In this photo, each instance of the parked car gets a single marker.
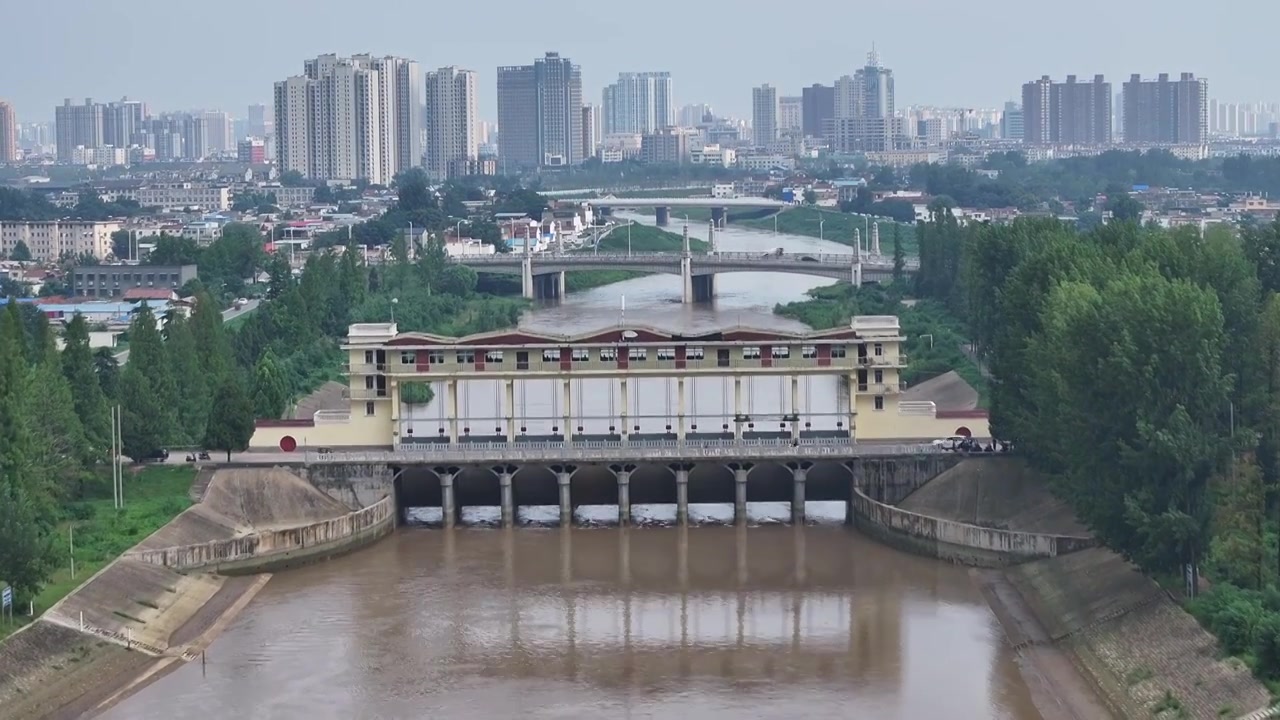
(158, 456)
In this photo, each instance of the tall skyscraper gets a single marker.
(695, 115)
(819, 109)
(1069, 113)
(349, 118)
(865, 115)
(77, 125)
(122, 121)
(1164, 111)
(540, 114)
(195, 137)
(8, 133)
(764, 114)
(219, 127)
(452, 117)
(638, 103)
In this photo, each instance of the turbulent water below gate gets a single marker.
(655, 622)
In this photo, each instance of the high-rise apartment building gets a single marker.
(257, 121)
(668, 146)
(8, 133)
(195, 137)
(1164, 111)
(540, 114)
(1068, 113)
(452, 122)
(591, 134)
(76, 126)
(219, 126)
(819, 109)
(350, 118)
(791, 114)
(638, 103)
(695, 115)
(122, 122)
(764, 114)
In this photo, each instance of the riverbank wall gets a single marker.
(1087, 626)
(162, 603)
(878, 508)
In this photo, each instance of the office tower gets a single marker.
(1011, 122)
(819, 109)
(1069, 113)
(590, 130)
(865, 116)
(218, 124)
(76, 126)
(638, 103)
(791, 114)
(764, 114)
(452, 130)
(252, 151)
(695, 115)
(540, 114)
(668, 146)
(257, 121)
(349, 118)
(8, 133)
(1164, 111)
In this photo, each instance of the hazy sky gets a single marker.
(226, 54)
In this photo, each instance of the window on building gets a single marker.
(837, 351)
(750, 353)
(636, 353)
(493, 356)
(879, 402)
(466, 357)
(408, 357)
(780, 352)
(435, 357)
(809, 353)
(552, 355)
(694, 353)
(368, 382)
(581, 355)
(666, 353)
(370, 409)
(878, 350)
(879, 376)
(608, 354)
(368, 357)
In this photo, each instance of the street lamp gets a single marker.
(394, 302)
(821, 222)
(629, 224)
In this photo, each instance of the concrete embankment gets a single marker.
(964, 515)
(1086, 625)
(161, 604)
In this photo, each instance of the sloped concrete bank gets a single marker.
(163, 603)
(1093, 636)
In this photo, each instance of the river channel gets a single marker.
(658, 622)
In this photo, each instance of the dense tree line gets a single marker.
(1140, 369)
(26, 205)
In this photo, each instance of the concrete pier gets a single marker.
(740, 471)
(718, 215)
(624, 497)
(508, 501)
(799, 475)
(664, 215)
(682, 495)
(448, 507)
(566, 500)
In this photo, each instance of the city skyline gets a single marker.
(973, 74)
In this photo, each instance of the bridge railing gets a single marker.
(608, 451)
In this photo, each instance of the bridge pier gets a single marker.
(682, 492)
(799, 474)
(548, 286)
(623, 474)
(703, 288)
(505, 473)
(526, 275)
(686, 279)
(719, 216)
(664, 215)
(740, 471)
(564, 475)
(448, 508)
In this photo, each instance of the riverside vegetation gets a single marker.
(191, 382)
(1139, 368)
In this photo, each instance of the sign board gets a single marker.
(6, 597)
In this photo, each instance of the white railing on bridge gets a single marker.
(649, 257)
(618, 451)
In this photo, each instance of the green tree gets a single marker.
(270, 389)
(173, 250)
(899, 256)
(183, 359)
(457, 280)
(280, 275)
(86, 390)
(148, 395)
(1124, 208)
(230, 419)
(810, 197)
(107, 370)
(20, 252)
(1237, 550)
(58, 449)
(211, 339)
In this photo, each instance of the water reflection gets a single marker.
(703, 622)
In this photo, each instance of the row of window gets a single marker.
(89, 278)
(552, 355)
(371, 409)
